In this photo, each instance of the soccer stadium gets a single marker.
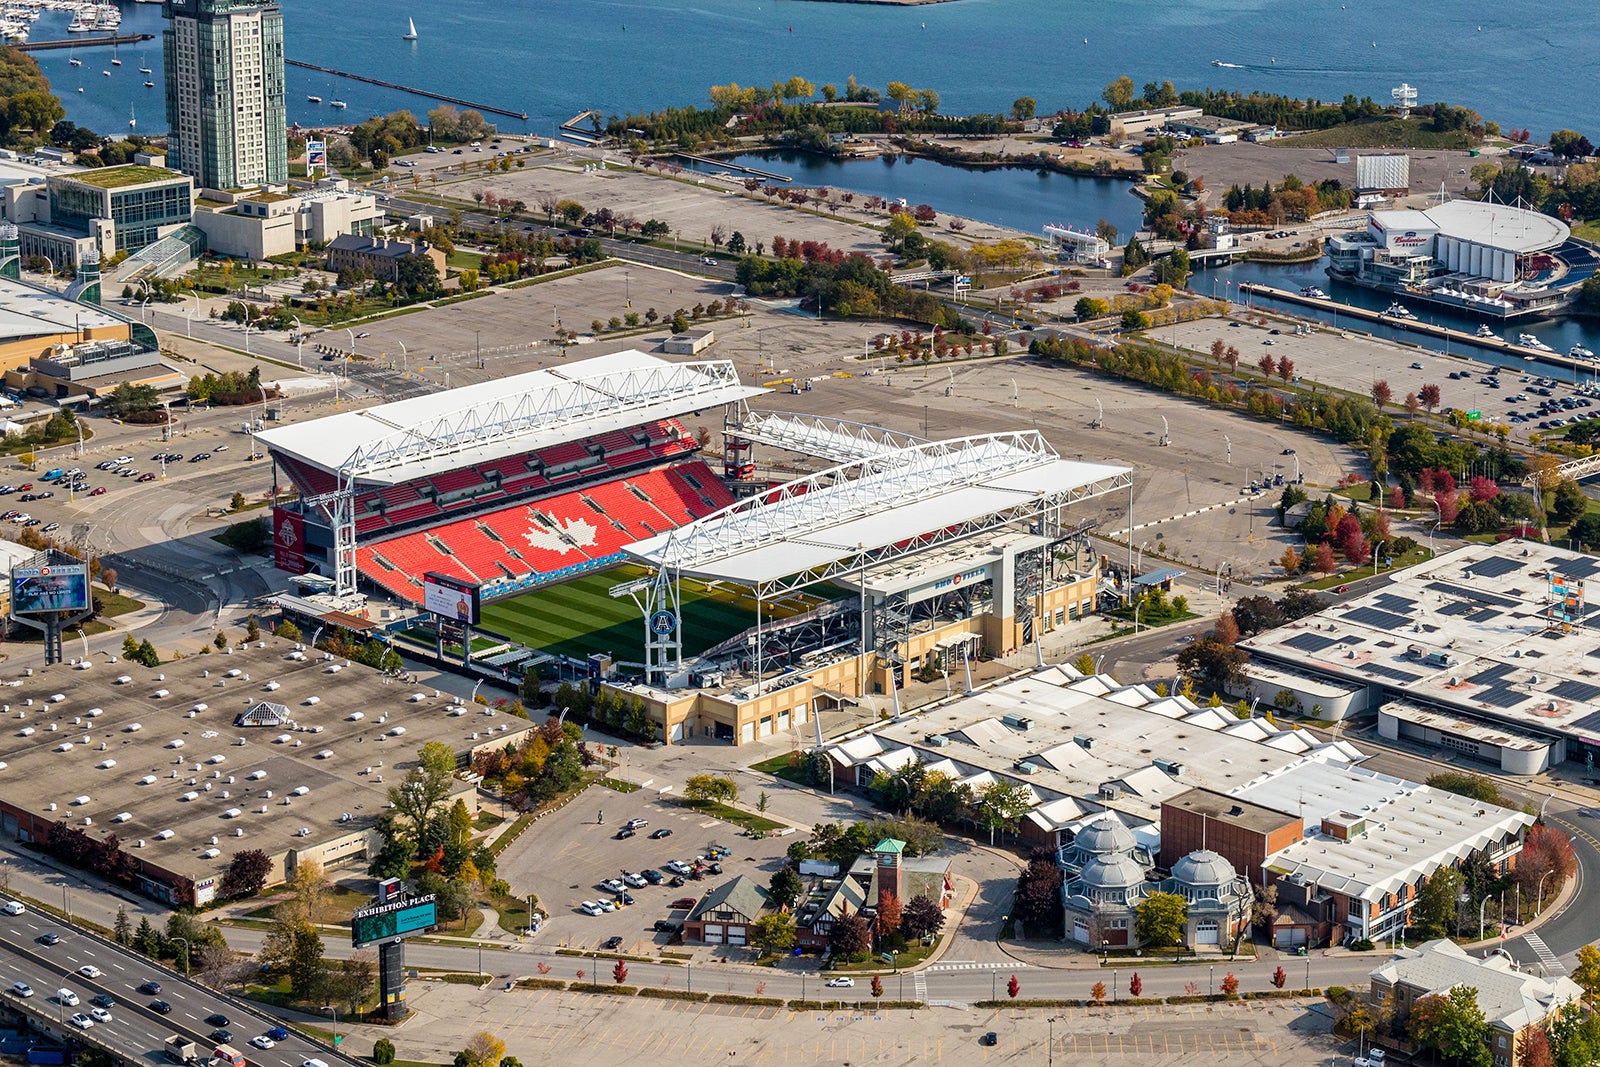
(576, 507)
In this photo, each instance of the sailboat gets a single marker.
(411, 30)
(144, 70)
(73, 60)
(132, 121)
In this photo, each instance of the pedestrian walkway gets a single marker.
(1542, 950)
(1007, 965)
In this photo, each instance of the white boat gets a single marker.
(146, 70)
(315, 99)
(340, 104)
(107, 73)
(1579, 352)
(1313, 292)
(132, 120)
(149, 85)
(1398, 311)
(411, 31)
(1484, 331)
(1528, 340)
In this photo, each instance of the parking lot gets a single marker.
(567, 855)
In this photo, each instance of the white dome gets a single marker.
(1104, 836)
(1204, 868)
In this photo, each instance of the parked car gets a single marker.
(651, 875)
(623, 834)
(657, 835)
(146, 478)
(612, 885)
(991, 1039)
(841, 982)
(98, 490)
(666, 926)
(589, 907)
(637, 881)
(636, 824)
(685, 902)
(612, 942)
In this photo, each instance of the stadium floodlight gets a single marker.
(622, 589)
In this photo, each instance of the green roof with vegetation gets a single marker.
(121, 177)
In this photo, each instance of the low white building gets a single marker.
(261, 224)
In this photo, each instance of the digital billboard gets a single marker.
(395, 919)
(450, 597)
(41, 590)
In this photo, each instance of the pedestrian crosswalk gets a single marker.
(919, 985)
(1551, 963)
(1008, 965)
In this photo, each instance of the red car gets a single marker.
(685, 902)
(24, 487)
(98, 490)
(146, 478)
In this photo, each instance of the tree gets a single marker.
(350, 983)
(1013, 987)
(1134, 319)
(1023, 108)
(246, 874)
(785, 887)
(1230, 985)
(1098, 992)
(1546, 862)
(877, 985)
(1160, 918)
(417, 276)
(1567, 502)
(1435, 909)
(711, 787)
(1279, 978)
(921, 917)
(1575, 1038)
(1587, 972)
(294, 947)
(1586, 530)
(1212, 664)
(850, 936)
(1453, 1025)
(619, 973)
(1119, 94)
(1381, 393)
(1257, 614)
(1135, 985)
(1429, 395)
(1037, 901)
(890, 914)
(122, 929)
(383, 1052)
(1000, 804)
(1534, 1049)
(484, 1050)
(424, 787)
(773, 933)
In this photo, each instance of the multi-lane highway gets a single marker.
(134, 1029)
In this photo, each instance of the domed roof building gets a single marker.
(1219, 900)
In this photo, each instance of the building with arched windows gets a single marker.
(1219, 899)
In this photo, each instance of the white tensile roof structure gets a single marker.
(879, 506)
(422, 436)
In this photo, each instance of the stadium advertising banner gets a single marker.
(41, 590)
(288, 541)
(385, 922)
(450, 597)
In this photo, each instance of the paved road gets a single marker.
(133, 1026)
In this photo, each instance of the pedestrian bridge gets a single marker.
(1576, 469)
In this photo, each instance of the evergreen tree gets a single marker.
(122, 929)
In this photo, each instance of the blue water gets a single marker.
(555, 58)
(1020, 197)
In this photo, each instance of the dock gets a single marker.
(725, 165)
(82, 42)
(490, 108)
(1498, 345)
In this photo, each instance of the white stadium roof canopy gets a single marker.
(1513, 229)
(878, 507)
(427, 435)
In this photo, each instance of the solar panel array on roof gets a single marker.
(1459, 607)
(1382, 620)
(1588, 722)
(1492, 674)
(1389, 672)
(1495, 566)
(1391, 602)
(1576, 691)
(1309, 642)
(1578, 566)
(1473, 594)
(1500, 697)
(1484, 615)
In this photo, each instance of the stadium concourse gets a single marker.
(506, 485)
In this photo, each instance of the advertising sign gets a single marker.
(288, 541)
(40, 590)
(450, 597)
(316, 156)
(395, 919)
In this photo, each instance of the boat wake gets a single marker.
(1230, 66)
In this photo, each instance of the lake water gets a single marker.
(555, 58)
(1020, 197)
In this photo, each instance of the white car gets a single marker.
(67, 997)
(635, 881)
(22, 989)
(81, 1021)
(263, 1041)
(840, 983)
(89, 970)
(124, 459)
(589, 907)
(14, 907)
(100, 1015)
(607, 905)
(612, 885)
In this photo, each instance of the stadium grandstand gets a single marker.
(508, 485)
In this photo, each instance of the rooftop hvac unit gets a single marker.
(272, 687)
(1017, 722)
(56, 698)
(164, 835)
(106, 764)
(1085, 740)
(232, 813)
(417, 698)
(133, 727)
(1170, 766)
(190, 795)
(456, 713)
(176, 742)
(326, 753)
(95, 713)
(238, 831)
(332, 668)
(299, 791)
(124, 679)
(355, 716)
(304, 831)
(65, 746)
(201, 707)
(1025, 767)
(148, 779)
(397, 731)
(938, 740)
(122, 816)
(1110, 792)
(256, 776)
(218, 758)
(210, 854)
(159, 693)
(80, 801)
(312, 700)
(281, 739)
(26, 731)
(235, 673)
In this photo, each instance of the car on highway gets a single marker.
(657, 835)
(89, 970)
(22, 989)
(221, 1036)
(67, 997)
(612, 942)
(81, 1021)
(103, 1000)
(278, 1033)
(49, 938)
(14, 907)
(262, 1041)
(160, 1007)
(841, 982)
(312, 1063)
(100, 1015)
(150, 989)
(217, 1019)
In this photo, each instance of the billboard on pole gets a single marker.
(41, 590)
(450, 597)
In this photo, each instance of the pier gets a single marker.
(523, 115)
(753, 172)
(1497, 344)
(83, 42)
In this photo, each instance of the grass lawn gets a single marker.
(783, 767)
(910, 956)
(1415, 556)
(463, 260)
(1587, 231)
(718, 810)
(577, 618)
(1361, 492)
(1409, 133)
(513, 912)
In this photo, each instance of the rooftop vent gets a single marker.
(210, 854)
(133, 728)
(122, 816)
(164, 835)
(299, 791)
(106, 764)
